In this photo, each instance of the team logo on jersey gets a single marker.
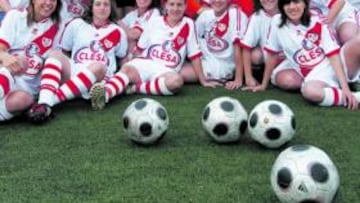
(46, 42)
(34, 65)
(108, 44)
(168, 45)
(311, 40)
(32, 50)
(180, 40)
(221, 27)
(93, 53)
(216, 44)
(95, 46)
(309, 58)
(74, 8)
(165, 53)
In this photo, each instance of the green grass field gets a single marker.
(84, 156)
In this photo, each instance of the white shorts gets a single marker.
(148, 69)
(218, 70)
(4, 113)
(327, 74)
(346, 14)
(18, 83)
(21, 83)
(284, 65)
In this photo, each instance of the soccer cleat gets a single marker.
(355, 86)
(97, 94)
(130, 89)
(39, 113)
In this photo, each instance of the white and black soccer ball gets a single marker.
(224, 119)
(145, 121)
(271, 123)
(304, 173)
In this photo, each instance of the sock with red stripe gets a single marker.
(75, 86)
(332, 97)
(115, 85)
(153, 87)
(6, 82)
(50, 81)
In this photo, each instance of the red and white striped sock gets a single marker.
(50, 81)
(116, 85)
(153, 87)
(332, 97)
(6, 81)
(75, 86)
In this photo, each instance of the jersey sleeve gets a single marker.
(329, 3)
(200, 24)
(127, 19)
(329, 42)
(241, 24)
(144, 40)
(273, 44)
(192, 45)
(8, 28)
(69, 34)
(252, 33)
(148, 16)
(122, 47)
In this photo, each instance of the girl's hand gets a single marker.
(251, 82)
(212, 83)
(231, 85)
(257, 88)
(350, 100)
(15, 64)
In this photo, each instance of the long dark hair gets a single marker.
(155, 4)
(257, 6)
(55, 16)
(88, 15)
(305, 18)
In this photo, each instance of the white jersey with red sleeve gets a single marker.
(256, 32)
(134, 20)
(73, 9)
(33, 42)
(304, 47)
(89, 44)
(322, 7)
(19, 4)
(217, 35)
(70, 9)
(169, 45)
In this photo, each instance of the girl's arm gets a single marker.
(334, 11)
(17, 65)
(349, 98)
(239, 70)
(196, 63)
(5, 5)
(249, 78)
(269, 67)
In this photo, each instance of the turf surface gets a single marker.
(83, 156)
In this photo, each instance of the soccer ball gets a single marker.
(224, 119)
(271, 123)
(304, 173)
(145, 121)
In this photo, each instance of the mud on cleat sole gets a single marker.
(97, 94)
